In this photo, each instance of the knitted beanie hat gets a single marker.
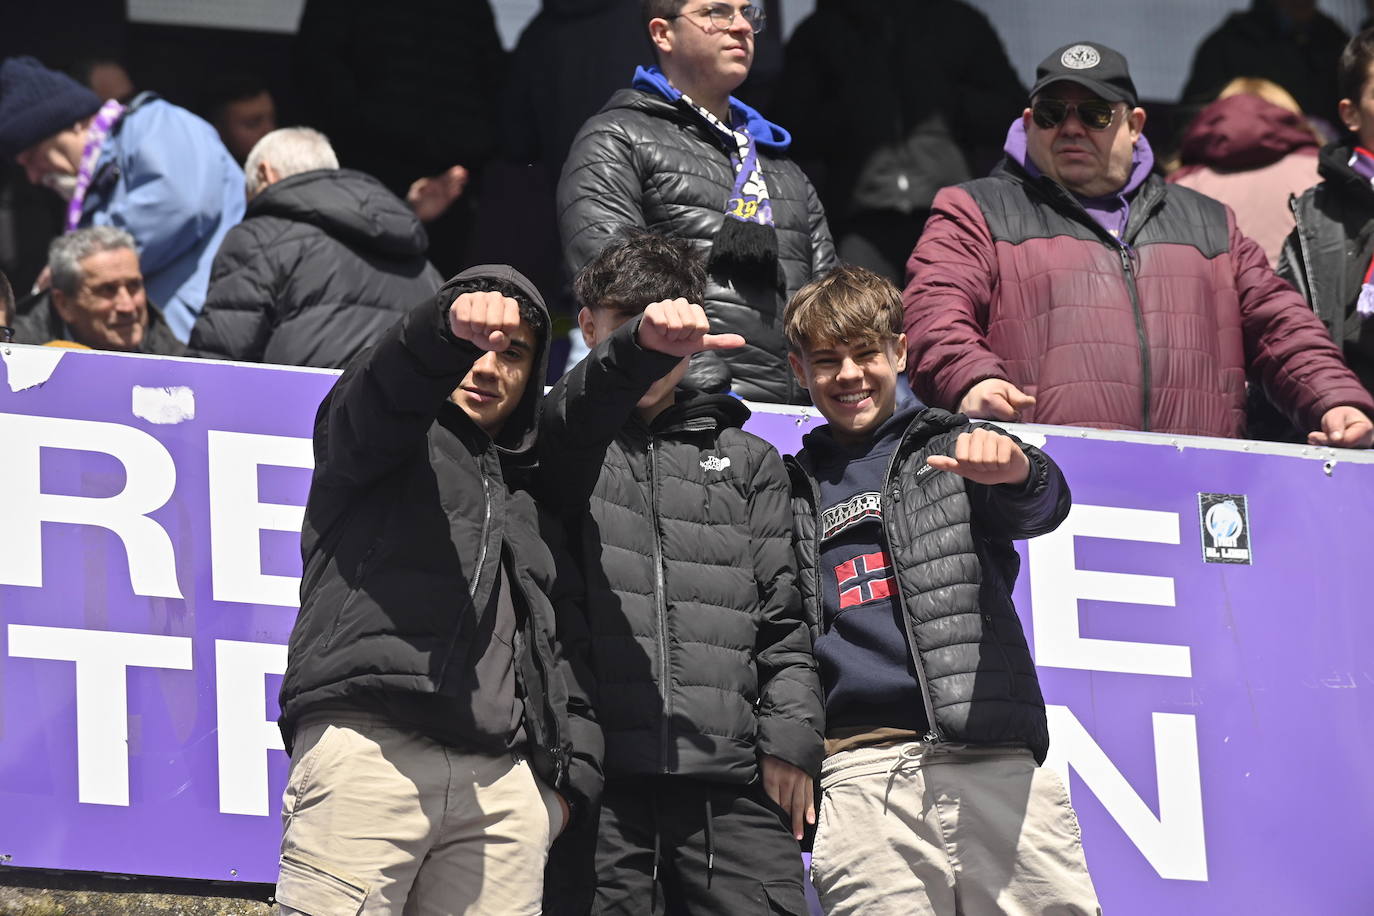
(36, 103)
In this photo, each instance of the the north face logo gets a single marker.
(714, 463)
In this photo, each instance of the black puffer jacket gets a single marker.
(645, 162)
(950, 543)
(701, 655)
(1328, 252)
(411, 510)
(322, 264)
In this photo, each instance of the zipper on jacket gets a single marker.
(664, 685)
(932, 735)
(486, 536)
(1144, 342)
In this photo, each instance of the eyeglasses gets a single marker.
(722, 16)
(1093, 114)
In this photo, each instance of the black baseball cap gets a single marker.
(1093, 66)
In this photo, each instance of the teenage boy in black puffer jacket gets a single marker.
(933, 801)
(436, 697)
(708, 693)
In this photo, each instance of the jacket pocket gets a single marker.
(308, 885)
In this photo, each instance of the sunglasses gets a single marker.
(1094, 114)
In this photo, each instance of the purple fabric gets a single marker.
(1362, 164)
(1111, 211)
(101, 125)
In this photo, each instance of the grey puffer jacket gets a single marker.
(648, 163)
(950, 542)
(701, 655)
(322, 264)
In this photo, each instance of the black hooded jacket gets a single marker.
(316, 272)
(702, 658)
(412, 509)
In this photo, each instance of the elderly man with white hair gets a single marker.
(325, 260)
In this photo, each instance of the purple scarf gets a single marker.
(1111, 211)
(1362, 164)
(96, 135)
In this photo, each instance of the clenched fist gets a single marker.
(995, 399)
(679, 328)
(986, 457)
(486, 319)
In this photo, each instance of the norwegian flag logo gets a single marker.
(863, 579)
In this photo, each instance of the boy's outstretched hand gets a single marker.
(985, 457)
(679, 328)
(487, 319)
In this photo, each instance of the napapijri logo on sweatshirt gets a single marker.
(1080, 57)
(851, 512)
(714, 463)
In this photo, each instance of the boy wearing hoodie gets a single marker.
(434, 703)
(933, 800)
(707, 689)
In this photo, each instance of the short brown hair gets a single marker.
(639, 268)
(1353, 69)
(660, 9)
(847, 304)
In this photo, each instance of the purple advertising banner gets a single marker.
(1201, 624)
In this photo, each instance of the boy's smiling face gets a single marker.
(853, 385)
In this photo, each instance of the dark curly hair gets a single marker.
(639, 268)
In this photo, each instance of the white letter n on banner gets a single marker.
(150, 477)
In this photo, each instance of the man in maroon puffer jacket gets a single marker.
(1074, 287)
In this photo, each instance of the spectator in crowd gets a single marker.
(242, 110)
(435, 701)
(324, 261)
(105, 76)
(708, 698)
(1289, 42)
(1251, 149)
(97, 298)
(149, 167)
(1330, 255)
(678, 155)
(6, 309)
(932, 704)
(1075, 287)
(880, 139)
(409, 92)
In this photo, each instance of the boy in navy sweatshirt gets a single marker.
(933, 800)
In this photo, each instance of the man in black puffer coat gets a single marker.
(708, 694)
(435, 702)
(320, 265)
(676, 154)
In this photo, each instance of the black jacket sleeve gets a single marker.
(381, 408)
(585, 773)
(1034, 508)
(791, 712)
(599, 193)
(239, 313)
(585, 411)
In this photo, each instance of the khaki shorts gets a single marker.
(949, 831)
(379, 819)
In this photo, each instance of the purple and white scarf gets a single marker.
(749, 201)
(104, 120)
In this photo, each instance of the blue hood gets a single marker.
(765, 133)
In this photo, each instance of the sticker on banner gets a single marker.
(1225, 528)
